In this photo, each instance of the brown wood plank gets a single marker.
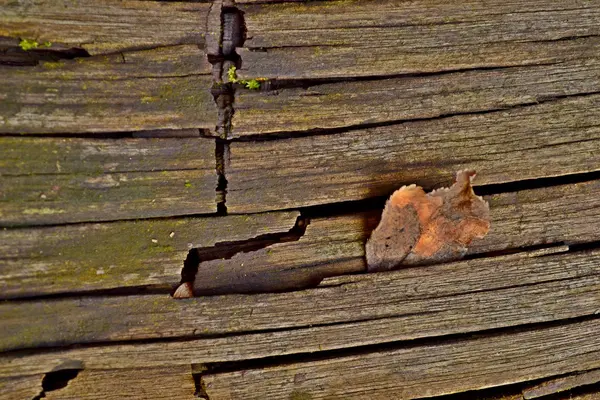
(501, 146)
(21, 387)
(335, 245)
(562, 384)
(407, 304)
(334, 39)
(144, 90)
(148, 383)
(57, 180)
(344, 104)
(105, 26)
(83, 257)
(421, 371)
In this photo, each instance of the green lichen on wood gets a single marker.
(252, 84)
(30, 44)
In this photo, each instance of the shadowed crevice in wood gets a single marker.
(378, 202)
(197, 371)
(12, 55)
(143, 134)
(57, 380)
(233, 35)
(273, 85)
(221, 154)
(333, 131)
(528, 184)
(163, 289)
(227, 250)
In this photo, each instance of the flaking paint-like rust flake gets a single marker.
(423, 228)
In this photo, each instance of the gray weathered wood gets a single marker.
(345, 104)
(83, 257)
(328, 39)
(152, 89)
(105, 26)
(407, 304)
(501, 146)
(421, 371)
(147, 383)
(57, 180)
(335, 245)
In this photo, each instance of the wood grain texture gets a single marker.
(334, 39)
(20, 387)
(421, 371)
(562, 384)
(83, 257)
(366, 309)
(144, 90)
(147, 383)
(347, 104)
(105, 26)
(57, 180)
(501, 146)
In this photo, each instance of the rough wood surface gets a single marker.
(58, 180)
(562, 384)
(328, 39)
(344, 104)
(151, 89)
(335, 245)
(20, 387)
(501, 146)
(83, 257)
(147, 383)
(421, 371)
(329, 246)
(412, 303)
(105, 26)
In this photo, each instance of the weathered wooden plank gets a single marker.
(501, 146)
(105, 26)
(421, 371)
(412, 303)
(148, 383)
(562, 384)
(57, 180)
(345, 104)
(335, 245)
(21, 387)
(83, 257)
(331, 39)
(144, 90)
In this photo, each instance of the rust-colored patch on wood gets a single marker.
(420, 228)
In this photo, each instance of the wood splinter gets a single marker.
(424, 228)
(184, 291)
